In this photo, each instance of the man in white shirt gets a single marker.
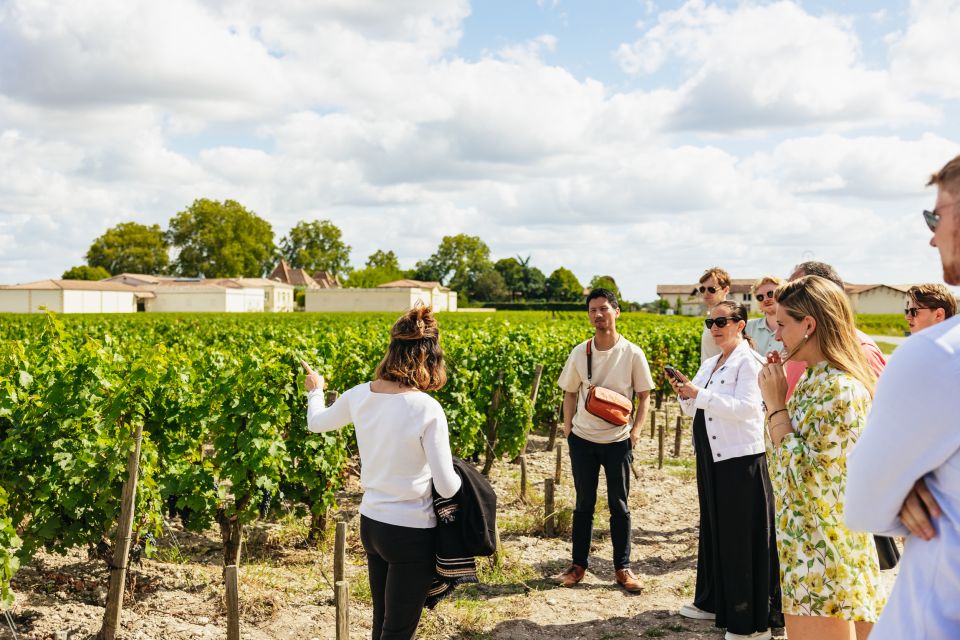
(714, 287)
(903, 475)
(616, 364)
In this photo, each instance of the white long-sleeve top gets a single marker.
(913, 432)
(404, 445)
(731, 403)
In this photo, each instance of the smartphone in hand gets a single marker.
(673, 373)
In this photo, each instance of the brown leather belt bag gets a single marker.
(606, 404)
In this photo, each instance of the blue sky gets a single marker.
(646, 140)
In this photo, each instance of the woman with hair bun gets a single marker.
(405, 452)
(737, 572)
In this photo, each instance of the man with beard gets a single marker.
(904, 473)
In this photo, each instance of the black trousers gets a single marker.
(401, 564)
(738, 573)
(586, 458)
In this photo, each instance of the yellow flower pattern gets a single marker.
(825, 569)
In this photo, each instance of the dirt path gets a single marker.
(286, 592)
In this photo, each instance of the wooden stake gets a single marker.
(556, 428)
(677, 442)
(233, 602)
(537, 373)
(549, 517)
(339, 552)
(498, 552)
(653, 423)
(492, 424)
(523, 478)
(660, 447)
(121, 546)
(557, 474)
(342, 602)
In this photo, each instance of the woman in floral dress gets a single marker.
(829, 575)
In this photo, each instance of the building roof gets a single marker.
(861, 288)
(297, 277)
(138, 278)
(407, 284)
(71, 285)
(326, 280)
(262, 282)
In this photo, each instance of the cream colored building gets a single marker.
(877, 298)
(277, 296)
(214, 296)
(69, 296)
(398, 296)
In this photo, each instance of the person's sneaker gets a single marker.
(696, 613)
(757, 635)
(571, 576)
(627, 580)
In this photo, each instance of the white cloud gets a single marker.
(762, 66)
(925, 58)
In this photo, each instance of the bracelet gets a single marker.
(774, 413)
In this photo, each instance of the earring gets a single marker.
(805, 336)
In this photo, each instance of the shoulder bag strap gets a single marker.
(589, 360)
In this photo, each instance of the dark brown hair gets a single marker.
(934, 296)
(739, 311)
(414, 357)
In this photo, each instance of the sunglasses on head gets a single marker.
(710, 289)
(913, 311)
(720, 322)
(768, 294)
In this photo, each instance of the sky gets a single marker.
(639, 139)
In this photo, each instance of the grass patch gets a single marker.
(887, 347)
(886, 324)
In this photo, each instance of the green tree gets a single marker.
(490, 286)
(130, 247)
(512, 273)
(317, 246)
(563, 285)
(606, 282)
(457, 262)
(83, 272)
(221, 240)
(380, 259)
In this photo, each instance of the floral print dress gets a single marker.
(825, 569)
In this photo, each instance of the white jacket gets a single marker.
(731, 404)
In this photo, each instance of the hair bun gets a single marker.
(416, 324)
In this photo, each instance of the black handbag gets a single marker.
(887, 552)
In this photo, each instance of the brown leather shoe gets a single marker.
(571, 576)
(627, 580)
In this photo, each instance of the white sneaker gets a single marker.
(696, 613)
(757, 635)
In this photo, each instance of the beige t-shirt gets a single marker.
(623, 369)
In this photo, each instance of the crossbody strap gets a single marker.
(589, 360)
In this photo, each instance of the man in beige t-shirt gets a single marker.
(619, 365)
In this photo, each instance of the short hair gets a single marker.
(934, 296)
(721, 276)
(948, 178)
(414, 357)
(822, 269)
(774, 280)
(600, 292)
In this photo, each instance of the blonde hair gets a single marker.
(414, 357)
(948, 178)
(774, 280)
(836, 333)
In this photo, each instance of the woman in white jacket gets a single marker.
(738, 581)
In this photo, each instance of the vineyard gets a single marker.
(217, 407)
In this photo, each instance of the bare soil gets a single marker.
(286, 586)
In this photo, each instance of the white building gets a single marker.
(221, 296)
(70, 296)
(277, 296)
(397, 296)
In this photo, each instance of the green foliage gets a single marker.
(9, 544)
(489, 285)
(457, 262)
(221, 240)
(381, 259)
(130, 247)
(83, 272)
(606, 282)
(889, 324)
(317, 246)
(563, 285)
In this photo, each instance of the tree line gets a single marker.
(214, 239)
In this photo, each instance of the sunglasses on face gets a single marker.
(710, 289)
(912, 311)
(720, 322)
(932, 218)
(761, 296)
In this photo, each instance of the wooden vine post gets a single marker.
(121, 546)
(556, 427)
(557, 474)
(678, 441)
(492, 423)
(549, 513)
(660, 447)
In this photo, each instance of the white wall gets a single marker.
(878, 300)
(187, 300)
(243, 300)
(278, 299)
(392, 299)
(27, 301)
(83, 301)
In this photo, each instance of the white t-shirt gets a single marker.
(708, 346)
(623, 369)
(404, 445)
